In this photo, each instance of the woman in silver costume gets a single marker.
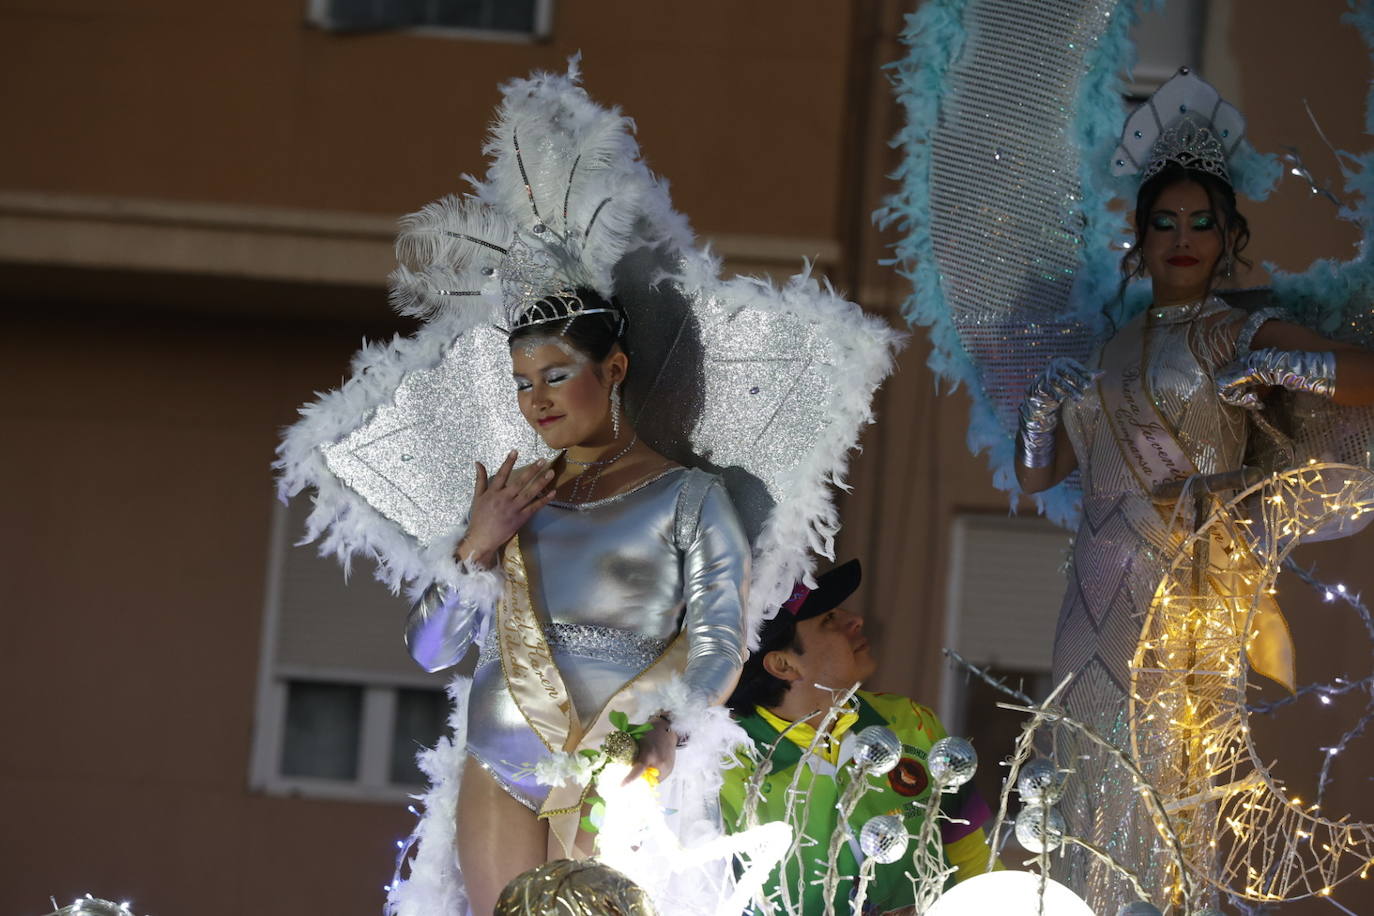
(624, 551)
(1165, 399)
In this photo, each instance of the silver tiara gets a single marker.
(1187, 123)
(534, 289)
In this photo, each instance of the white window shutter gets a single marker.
(1007, 583)
(326, 624)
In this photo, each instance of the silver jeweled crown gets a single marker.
(531, 284)
(1186, 122)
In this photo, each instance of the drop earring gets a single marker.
(615, 412)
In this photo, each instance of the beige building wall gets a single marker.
(196, 204)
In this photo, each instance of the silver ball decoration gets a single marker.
(951, 762)
(94, 906)
(877, 749)
(1139, 908)
(1040, 829)
(1209, 911)
(884, 838)
(1040, 783)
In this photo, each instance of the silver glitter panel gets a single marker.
(608, 644)
(1326, 432)
(741, 391)
(1004, 185)
(413, 459)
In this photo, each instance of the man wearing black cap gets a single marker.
(811, 652)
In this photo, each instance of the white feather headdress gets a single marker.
(767, 387)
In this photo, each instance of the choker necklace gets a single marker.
(1172, 314)
(585, 483)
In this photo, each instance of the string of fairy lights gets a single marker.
(1339, 686)
(1242, 830)
(1226, 823)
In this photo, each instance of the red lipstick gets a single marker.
(1183, 260)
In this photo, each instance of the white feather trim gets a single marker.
(435, 885)
(343, 523)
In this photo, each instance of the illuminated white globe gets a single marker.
(1008, 893)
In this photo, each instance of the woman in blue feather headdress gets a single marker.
(1173, 396)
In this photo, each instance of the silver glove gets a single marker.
(1313, 371)
(1062, 379)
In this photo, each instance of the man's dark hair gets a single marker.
(756, 686)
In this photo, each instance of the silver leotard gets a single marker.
(614, 581)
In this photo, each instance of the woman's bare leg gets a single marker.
(497, 838)
(584, 844)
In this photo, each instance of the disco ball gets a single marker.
(1039, 829)
(1040, 783)
(951, 762)
(884, 838)
(877, 749)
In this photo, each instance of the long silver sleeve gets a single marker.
(1311, 371)
(715, 587)
(441, 626)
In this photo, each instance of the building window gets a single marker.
(342, 710)
(517, 20)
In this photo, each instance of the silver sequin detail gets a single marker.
(1252, 326)
(1003, 230)
(609, 644)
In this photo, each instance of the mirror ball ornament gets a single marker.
(1039, 829)
(877, 750)
(1040, 783)
(1139, 908)
(884, 838)
(951, 763)
(94, 906)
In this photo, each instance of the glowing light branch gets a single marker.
(1339, 686)
(797, 799)
(995, 683)
(1242, 831)
(1046, 713)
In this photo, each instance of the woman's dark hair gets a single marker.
(756, 686)
(591, 335)
(1230, 221)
